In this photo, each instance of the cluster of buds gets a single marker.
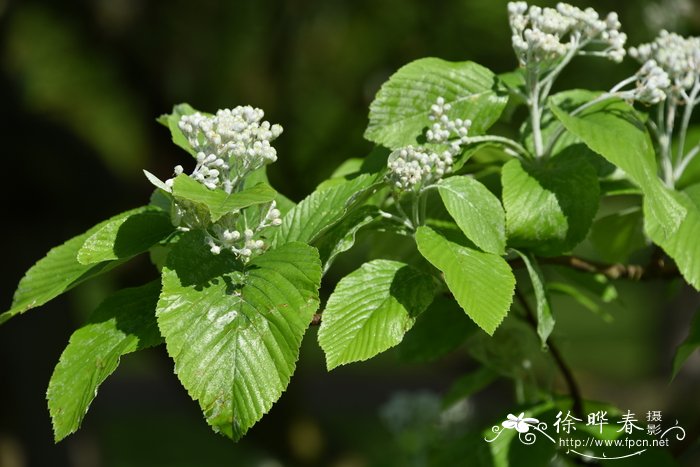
(412, 168)
(678, 57)
(652, 84)
(445, 129)
(242, 242)
(229, 145)
(543, 36)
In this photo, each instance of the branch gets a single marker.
(571, 383)
(656, 269)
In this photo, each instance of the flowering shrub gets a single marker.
(241, 265)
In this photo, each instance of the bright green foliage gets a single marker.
(218, 202)
(371, 309)
(482, 283)
(321, 210)
(398, 115)
(58, 272)
(545, 319)
(682, 244)
(341, 237)
(439, 229)
(549, 206)
(123, 323)
(688, 346)
(476, 211)
(235, 332)
(614, 130)
(171, 120)
(126, 236)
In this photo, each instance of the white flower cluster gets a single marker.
(444, 128)
(677, 56)
(652, 84)
(411, 168)
(543, 36)
(245, 242)
(229, 145)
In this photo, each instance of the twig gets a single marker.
(571, 383)
(657, 268)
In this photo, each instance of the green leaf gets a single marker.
(321, 210)
(482, 283)
(469, 384)
(399, 113)
(514, 82)
(545, 319)
(258, 176)
(348, 167)
(218, 201)
(476, 211)
(58, 272)
(371, 309)
(341, 237)
(688, 346)
(235, 332)
(691, 174)
(550, 125)
(123, 323)
(438, 331)
(613, 130)
(156, 182)
(126, 236)
(171, 121)
(618, 235)
(549, 206)
(682, 245)
(693, 192)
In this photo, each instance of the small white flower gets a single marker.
(411, 168)
(652, 85)
(519, 423)
(229, 145)
(543, 36)
(677, 56)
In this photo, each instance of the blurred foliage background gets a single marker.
(81, 83)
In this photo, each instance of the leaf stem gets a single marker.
(400, 210)
(656, 269)
(416, 210)
(502, 140)
(403, 221)
(533, 102)
(666, 124)
(423, 200)
(685, 122)
(548, 81)
(678, 171)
